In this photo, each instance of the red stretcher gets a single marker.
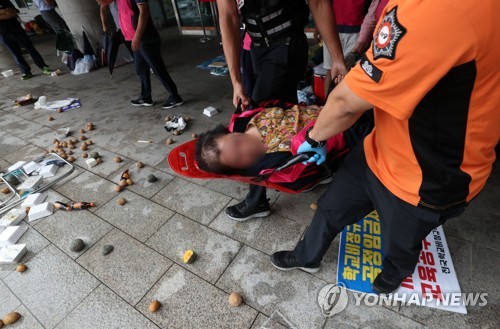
(182, 160)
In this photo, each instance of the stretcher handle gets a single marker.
(298, 158)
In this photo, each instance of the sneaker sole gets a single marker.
(172, 106)
(327, 180)
(142, 105)
(257, 215)
(305, 269)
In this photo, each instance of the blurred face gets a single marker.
(240, 151)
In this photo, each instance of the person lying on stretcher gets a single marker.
(267, 139)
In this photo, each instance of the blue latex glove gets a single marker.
(320, 155)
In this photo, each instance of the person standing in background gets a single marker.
(13, 36)
(50, 16)
(368, 26)
(138, 28)
(349, 15)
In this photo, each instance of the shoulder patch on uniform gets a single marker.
(370, 69)
(388, 35)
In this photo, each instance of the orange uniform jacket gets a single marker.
(432, 74)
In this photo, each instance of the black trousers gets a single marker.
(356, 191)
(13, 38)
(278, 70)
(149, 56)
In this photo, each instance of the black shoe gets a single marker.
(241, 212)
(286, 261)
(172, 102)
(142, 102)
(385, 284)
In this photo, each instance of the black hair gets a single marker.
(208, 153)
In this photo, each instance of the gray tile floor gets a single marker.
(63, 289)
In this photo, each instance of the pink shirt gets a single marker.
(126, 13)
(247, 42)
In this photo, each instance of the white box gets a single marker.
(30, 184)
(16, 165)
(91, 162)
(210, 111)
(31, 167)
(12, 234)
(33, 200)
(48, 171)
(12, 253)
(12, 217)
(40, 211)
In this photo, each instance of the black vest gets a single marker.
(269, 20)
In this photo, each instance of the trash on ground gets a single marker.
(40, 211)
(13, 217)
(146, 142)
(189, 257)
(33, 200)
(12, 254)
(8, 73)
(210, 111)
(59, 105)
(12, 234)
(177, 122)
(25, 100)
(91, 162)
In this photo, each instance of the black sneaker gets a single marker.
(172, 102)
(241, 212)
(286, 261)
(142, 102)
(385, 284)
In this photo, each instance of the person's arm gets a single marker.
(7, 13)
(104, 12)
(104, 2)
(367, 27)
(324, 18)
(231, 43)
(340, 112)
(141, 25)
